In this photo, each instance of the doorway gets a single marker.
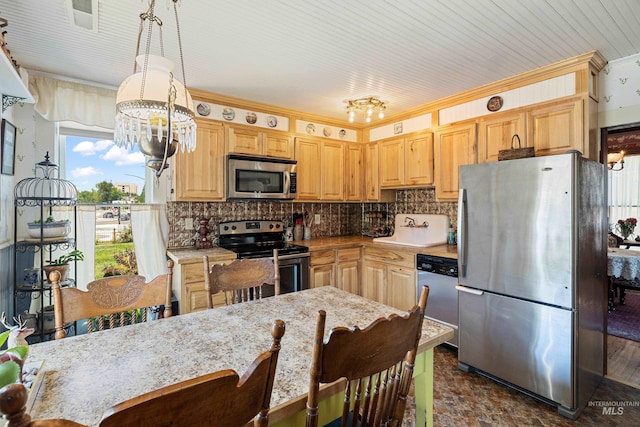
(623, 200)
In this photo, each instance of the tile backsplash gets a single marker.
(336, 219)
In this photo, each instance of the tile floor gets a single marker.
(472, 400)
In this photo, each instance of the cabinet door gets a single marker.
(418, 160)
(495, 134)
(308, 157)
(354, 185)
(348, 275)
(556, 128)
(322, 275)
(392, 163)
(401, 287)
(455, 146)
(200, 175)
(372, 177)
(373, 281)
(244, 141)
(332, 170)
(276, 145)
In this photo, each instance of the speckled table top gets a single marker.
(85, 375)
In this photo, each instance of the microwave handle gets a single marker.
(287, 183)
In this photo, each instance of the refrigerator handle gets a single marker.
(462, 233)
(469, 290)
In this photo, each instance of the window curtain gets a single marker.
(59, 100)
(624, 193)
(150, 229)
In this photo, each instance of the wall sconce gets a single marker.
(614, 159)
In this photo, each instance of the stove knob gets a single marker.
(277, 225)
(233, 227)
(226, 228)
(271, 226)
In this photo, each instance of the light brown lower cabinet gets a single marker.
(348, 270)
(389, 277)
(322, 268)
(188, 284)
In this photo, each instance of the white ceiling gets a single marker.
(312, 55)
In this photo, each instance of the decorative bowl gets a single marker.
(49, 229)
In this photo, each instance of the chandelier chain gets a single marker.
(184, 75)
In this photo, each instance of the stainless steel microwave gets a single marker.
(260, 178)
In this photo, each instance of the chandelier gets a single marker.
(614, 159)
(368, 106)
(153, 109)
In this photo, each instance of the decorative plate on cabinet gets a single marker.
(495, 103)
(272, 121)
(203, 109)
(342, 133)
(251, 118)
(228, 113)
(311, 129)
(326, 132)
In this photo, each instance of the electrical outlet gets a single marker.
(316, 220)
(188, 223)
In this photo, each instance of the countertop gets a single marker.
(86, 374)
(191, 255)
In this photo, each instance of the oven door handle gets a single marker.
(293, 256)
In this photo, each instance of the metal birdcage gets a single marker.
(45, 190)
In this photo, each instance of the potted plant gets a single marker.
(50, 228)
(61, 264)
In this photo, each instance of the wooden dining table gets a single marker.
(82, 376)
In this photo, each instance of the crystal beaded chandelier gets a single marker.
(153, 109)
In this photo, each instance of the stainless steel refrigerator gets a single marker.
(532, 263)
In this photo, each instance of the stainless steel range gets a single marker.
(258, 239)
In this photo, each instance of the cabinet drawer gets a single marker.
(349, 254)
(405, 259)
(322, 257)
(193, 273)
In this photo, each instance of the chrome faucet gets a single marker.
(411, 221)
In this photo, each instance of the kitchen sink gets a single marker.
(418, 231)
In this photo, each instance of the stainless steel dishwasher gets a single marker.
(441, 275)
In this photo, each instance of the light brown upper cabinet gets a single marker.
(555, 127)
(251, 141)
(406, 162)
(308, 169)
(332, 165)
(199, 176)
(372, 192)
(496, 131)
(354, 171)
(455, 146)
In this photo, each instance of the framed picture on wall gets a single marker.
(8, 147)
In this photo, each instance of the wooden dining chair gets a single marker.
(242, 279)
(110, 302)
(377, 363)
(221, 398)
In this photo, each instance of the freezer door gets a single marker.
(516, 228)
(524, 343)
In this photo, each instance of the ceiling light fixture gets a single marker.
(153, 109)
(616, 158)
(368, 106)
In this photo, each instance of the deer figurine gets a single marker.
(17, 337)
